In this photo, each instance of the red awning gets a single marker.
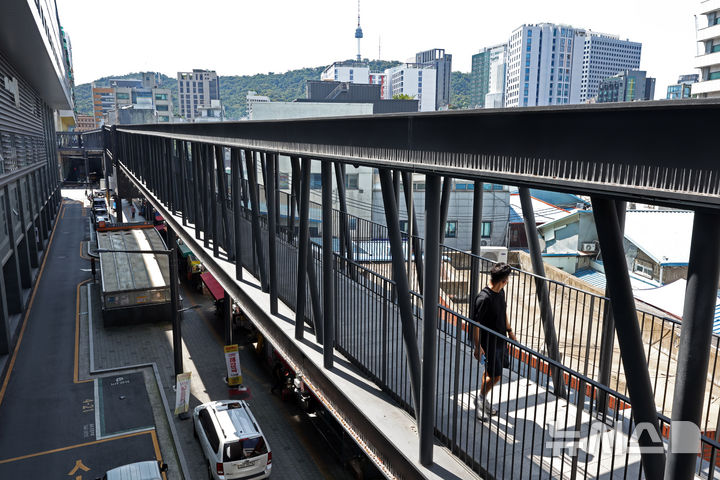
(159, 218)
(213, 286)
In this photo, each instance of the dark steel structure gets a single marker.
(414, 344)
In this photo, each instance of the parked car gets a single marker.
(148, 470)
(101, 215)
(99, 202)
(231, 440)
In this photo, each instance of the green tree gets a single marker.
(403, 96)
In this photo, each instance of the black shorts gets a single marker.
(494, 361)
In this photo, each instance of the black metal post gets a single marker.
(272, 230)
(303, 247)
(328, 264)
(344, 221)
(401, 284)
(445, 206)
(205, 192)
(694, 353)
(236, 173)
(184, 203)
(414, 235)
(174, 303)
(475, 243)
(227, 318)
(197, 222)
(426, 419)
(607, 335)
(255, 210)
(213, 184)
(628, 331)
(295, 179)
(541, 289)
(222, 197)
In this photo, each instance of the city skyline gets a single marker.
(288, 35)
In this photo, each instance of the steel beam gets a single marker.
(629, 336)
(328, 262)
(541, 289)
(694, 353)
(433, 219)
(475, 243)
(413, 229)
(401, 284)
(255, 210)
(236, 175)
(607, 335)
(303, 247)
(270, 191)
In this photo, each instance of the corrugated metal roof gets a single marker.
(664, 235)
(544, 212)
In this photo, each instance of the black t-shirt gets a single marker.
(489, 312)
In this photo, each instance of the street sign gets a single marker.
(232, 360)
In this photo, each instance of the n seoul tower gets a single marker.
(358, 33)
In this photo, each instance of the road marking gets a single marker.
(76, 367)
(72, 447)
(156, 446)
(3, 389)
(82, 252)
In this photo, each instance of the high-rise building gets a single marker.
(103, 102)
(543, 65)
(683, 87)
(626, 86)
(414, 80)
(488, 77)
(442, 63)
(552, 64)
(708, 57)
(604, 56)
(197, 89)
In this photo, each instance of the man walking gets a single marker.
(490, 311)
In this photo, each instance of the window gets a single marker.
(161, 96)
(351, 181)
(315, 181)
(451, 229)
(403, 225)
(209, 429)
(352, 223)
(643, 268)
(486, 229)
(164, 118)
(161, 108)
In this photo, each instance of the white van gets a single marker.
(149, 470)
(231, 441)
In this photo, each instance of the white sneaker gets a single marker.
(481, 403)
(480, 412)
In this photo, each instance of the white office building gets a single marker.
(497, 64)
(707, 22)
(353, 72)
(605, 56)
(414, 80)
(541, 65)
(552, 64)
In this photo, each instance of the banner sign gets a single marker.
(232, 360)
(182, 393)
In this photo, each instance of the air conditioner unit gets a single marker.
(589, 247)
(495, 254)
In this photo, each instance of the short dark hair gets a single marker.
(499, 272)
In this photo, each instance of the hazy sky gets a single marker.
(238, 37)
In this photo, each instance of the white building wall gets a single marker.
(604, 56)
(707, 23)
(346, 73)
(419, 83)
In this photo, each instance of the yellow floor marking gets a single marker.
(76, 368)
(3, 389)
(156, 446)
(71, 447)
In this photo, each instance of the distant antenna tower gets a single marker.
(358, 33)
(379, 45)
